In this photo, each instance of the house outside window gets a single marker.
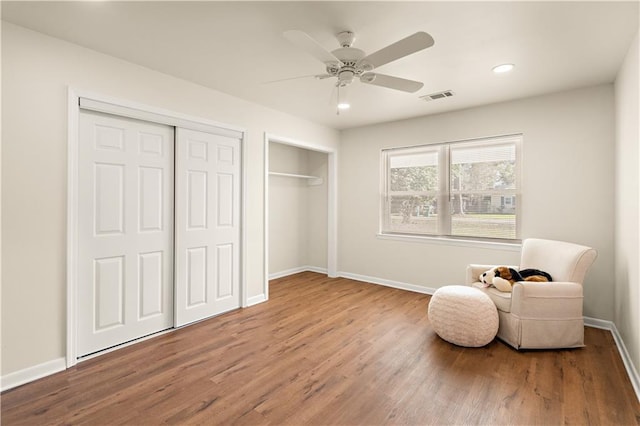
(465, 189)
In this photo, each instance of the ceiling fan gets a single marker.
(348, 63)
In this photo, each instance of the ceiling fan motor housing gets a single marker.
(351, 67)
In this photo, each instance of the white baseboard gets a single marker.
(387, 283)
(622, 349)
(254, 300)
(306, 268)
(30, 374)
(317, 269)
(598, 323)
(626, 359)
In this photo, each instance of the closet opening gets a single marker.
(300, 209)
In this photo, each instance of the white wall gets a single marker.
(627, 231)
(568, 170)
(317, 165)
(297, 211)
(36, 71)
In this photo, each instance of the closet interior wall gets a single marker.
(297, 209)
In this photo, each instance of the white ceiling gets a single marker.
(235, 47)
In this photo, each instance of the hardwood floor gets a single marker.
(331, 351)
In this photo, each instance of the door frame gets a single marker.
(332, 205)
(130, 109)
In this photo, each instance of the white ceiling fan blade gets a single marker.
(317, 76)
(391, 82)
(312, 47)
(399, 49)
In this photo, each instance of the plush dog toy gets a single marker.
(503, 277)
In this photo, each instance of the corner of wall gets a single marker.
(627, 205)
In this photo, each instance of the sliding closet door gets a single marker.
(207, 225)
(125, 230)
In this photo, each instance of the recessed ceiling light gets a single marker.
(343, 105)
(503, 68)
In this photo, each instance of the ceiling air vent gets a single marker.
(437, 95)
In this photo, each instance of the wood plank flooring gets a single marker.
(331, 351)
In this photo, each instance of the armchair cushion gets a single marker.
(502, 299)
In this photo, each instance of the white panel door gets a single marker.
(125, 230)
(207, 225)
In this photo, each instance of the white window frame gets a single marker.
(444, 192)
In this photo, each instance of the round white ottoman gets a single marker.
(463, 315)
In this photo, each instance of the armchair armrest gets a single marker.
(553, 300)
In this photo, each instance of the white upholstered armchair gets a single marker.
(542, 315)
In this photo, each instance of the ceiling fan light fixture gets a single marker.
(502, 68)
(345, 78)
(342, 100)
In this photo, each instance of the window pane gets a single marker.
(414, 172)
(489, 216)
(486, 167)
(413, 214)
(477, 178)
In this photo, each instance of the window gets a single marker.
(464, 189)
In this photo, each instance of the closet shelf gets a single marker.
(312, 180)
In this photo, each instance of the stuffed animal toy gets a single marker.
(503, 277)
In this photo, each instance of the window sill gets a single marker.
(515, 246)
